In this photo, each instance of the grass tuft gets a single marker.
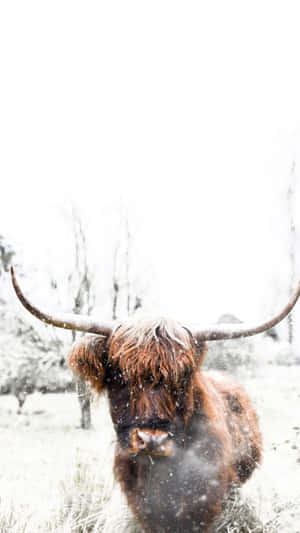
(240, 516)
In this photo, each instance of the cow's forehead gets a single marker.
(159, 351)
(149, 334)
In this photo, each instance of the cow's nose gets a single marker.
(150, 442)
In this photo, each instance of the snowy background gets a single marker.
(163, 138)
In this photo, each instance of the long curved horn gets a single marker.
(235, 331)
(62, 320)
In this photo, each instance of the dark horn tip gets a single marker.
(12, 274)
(13, 277)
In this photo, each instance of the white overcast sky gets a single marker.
(186, 112)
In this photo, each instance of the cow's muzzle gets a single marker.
(151, 442)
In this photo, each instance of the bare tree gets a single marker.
(292, 242)
(127, 265)
(6, 255)
(126, 298)
(115, 282)
(84, 300)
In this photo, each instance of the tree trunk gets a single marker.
(292, 236)
(21, 397)
(85, 404)
(83, 393)
(290, 328)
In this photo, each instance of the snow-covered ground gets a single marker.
(55, 477)
(275, 487)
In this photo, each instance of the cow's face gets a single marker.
(149, 380)
(146, 420)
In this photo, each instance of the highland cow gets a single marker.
(185, 436)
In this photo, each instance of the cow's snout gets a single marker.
(151, 442)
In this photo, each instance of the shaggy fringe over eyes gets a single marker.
(86, 359)
(154, 352)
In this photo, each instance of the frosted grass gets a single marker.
(56, 478)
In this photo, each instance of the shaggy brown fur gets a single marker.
(152, 372)
(155, 351)
(86, 359)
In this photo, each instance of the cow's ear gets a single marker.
(87, 359)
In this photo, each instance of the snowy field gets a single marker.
(55, 477)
